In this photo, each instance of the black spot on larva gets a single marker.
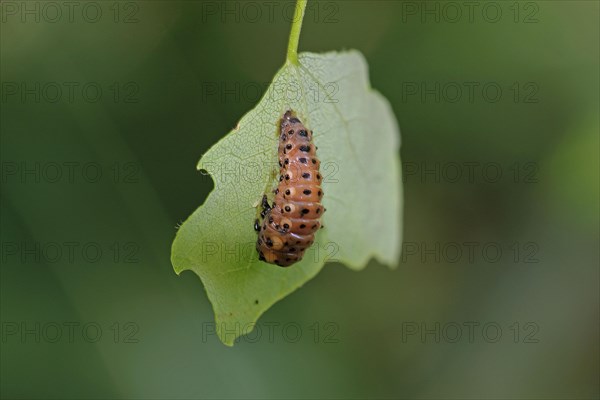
(288, 192)
(314, 161)
(276, 191)
(319, 193)
(284, 137)
(264, 227)
(259, 241)
(256, 226)
(288, 208)
(292, 249)
(306, 175)
(265, 203)
(319, 176)
(261, 257)
(303, 160)
(291, 132)
(302, 226)
(289, 146)
(307, 192)
(305, 211)
(286, 226)
(287, 161)
(305, 148)
(280, 164)
(314, 226)
(287, 177)
(280, 178)
(302, 132)
(318, 210)
(269, 242)
(270, 220)
(277, 262)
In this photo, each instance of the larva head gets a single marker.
(289, 114)
(289, 121)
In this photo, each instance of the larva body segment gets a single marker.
(289, 225)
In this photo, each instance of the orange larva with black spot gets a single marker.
(289, 225)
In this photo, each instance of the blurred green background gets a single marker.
(91, 308)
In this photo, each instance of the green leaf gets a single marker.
(358, 144)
